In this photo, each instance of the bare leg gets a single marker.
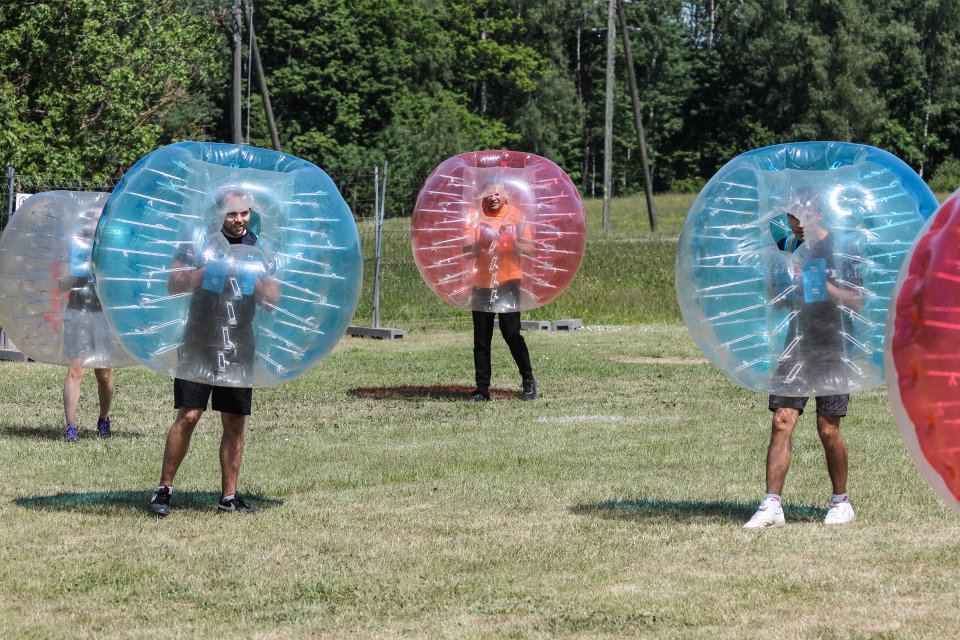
(231, 450)
(105, 390)
(828, 427)
(71, 393)
(178, 442)
(778, 454)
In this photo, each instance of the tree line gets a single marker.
(87, 86)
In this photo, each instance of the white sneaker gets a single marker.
(839, 513)
(770, 514)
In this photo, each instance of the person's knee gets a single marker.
(513, 341)
(104, 378)
(188, 418)
(511, 335)
(233, 423)
(75, 374)
(784, 420)
(828, 427)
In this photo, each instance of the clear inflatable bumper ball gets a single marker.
(923, 354)
(787, 261)
(48, 300)
(227, 265)
(498, 231)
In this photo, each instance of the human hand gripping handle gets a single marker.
(507, 233)
(184, 279)
(266, 291)
(485, 238)
(254, 274)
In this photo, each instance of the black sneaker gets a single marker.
(529, 391)
(236, 504)
(160, 503)
(479, 396)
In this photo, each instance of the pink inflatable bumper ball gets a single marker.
(498, 231)
(923, 353)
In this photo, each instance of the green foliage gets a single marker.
(428, 128)
(356, 83)
(90, 86)
(689, 185)
(87, 87)
(492, 64)
(947, 177)
(822, 70)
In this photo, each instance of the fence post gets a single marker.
(375, 317)
(11, 196)
(380, 211)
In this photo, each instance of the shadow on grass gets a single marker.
(446, 393)
(683, 510)
(116, 501)
(56, 433)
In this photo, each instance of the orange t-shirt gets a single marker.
(497, 259)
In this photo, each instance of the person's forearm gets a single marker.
(184, 279)
(847, 297)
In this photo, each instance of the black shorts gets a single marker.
(194, 395)
(826, 405)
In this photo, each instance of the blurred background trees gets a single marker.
(88, 87)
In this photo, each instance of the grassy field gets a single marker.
(610, 507)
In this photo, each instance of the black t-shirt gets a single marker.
(82, 295)
(219, 336)
(821, 322)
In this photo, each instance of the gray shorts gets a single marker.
(826, 405)
(86, 334)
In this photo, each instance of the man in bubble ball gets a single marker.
(823, 288)
(218, 340)
(85, 332)
(496, 243)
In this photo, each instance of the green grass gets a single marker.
(611, 507)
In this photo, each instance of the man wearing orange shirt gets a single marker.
(496, 241)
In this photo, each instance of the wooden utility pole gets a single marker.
(262, 79)
(608, 116)
(638, 120)
(235, 111)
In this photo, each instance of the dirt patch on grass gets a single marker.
(652, 360)
(428, 392)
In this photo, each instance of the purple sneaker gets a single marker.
(103, 427)
(71, 434)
